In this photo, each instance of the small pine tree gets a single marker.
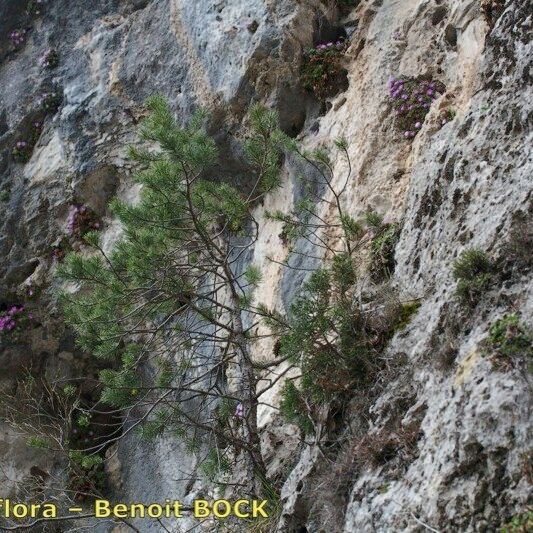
(327, 334)
(169, 292)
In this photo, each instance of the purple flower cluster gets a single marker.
(22, 151)
(14, 318)
(23, 148)
(339, 45)
(50, 59)
(322, 68)
(239, 411)
(411, 100)
(18, 37)
(81, 220)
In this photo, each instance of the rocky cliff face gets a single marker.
(465, 183)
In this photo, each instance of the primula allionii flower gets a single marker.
(322, 67)
(18, 37)
(81, 220)
(50, 59)
(14, 318)
(411, 100)
(239, 411)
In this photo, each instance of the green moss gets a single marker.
(407, 312)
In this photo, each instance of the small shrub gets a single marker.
(22, 151)
(474, 273)
(400, 445)
(5, 195)
(408, 310)
(293, 408)
(411, 100)
(374, 220)
(522, 523)
(69, 391)
(322, 68)
(50, 59)
(382, 252)
(38, 442)
(509, 337)
(87, 474)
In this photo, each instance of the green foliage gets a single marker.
(166, 373)
(84, 420)
(262, 148)
(156, 295)
(408, 310)
(325, 336)
(84, 460)
(253, 275)
(351, 227)
(374, 220)
(522, 523)
(510, 337)
(293, 408)
(474, 273)
(152, 429)
(215, 464)
(38, 442)
(226, 409)
(5, 194)
(69, 391)
(120, 387)
(382, 250)
(343, 271)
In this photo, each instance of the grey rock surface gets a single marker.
(454, 187)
